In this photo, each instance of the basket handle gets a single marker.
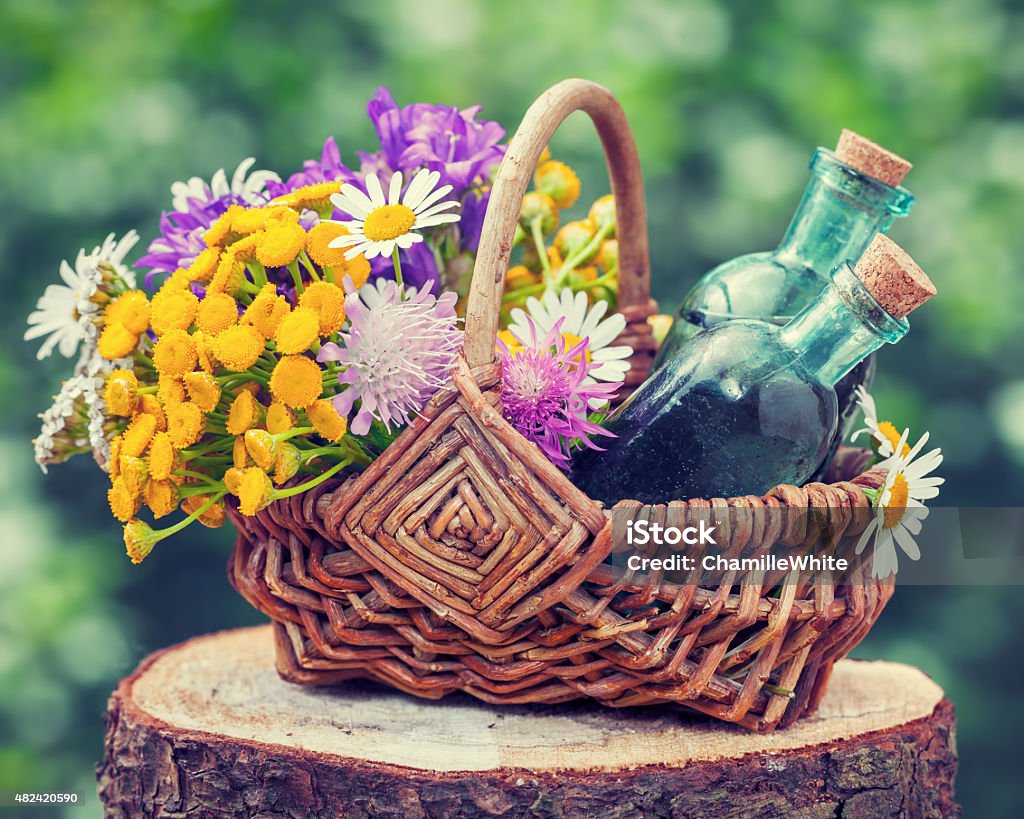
(535, 131)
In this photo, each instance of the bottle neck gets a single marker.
(840, 328)
(840, 213)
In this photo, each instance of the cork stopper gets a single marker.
(893, 278)
(871, 159)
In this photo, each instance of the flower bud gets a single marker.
(538, 206)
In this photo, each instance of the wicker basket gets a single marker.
(462, 560)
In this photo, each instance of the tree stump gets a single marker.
(206, 728)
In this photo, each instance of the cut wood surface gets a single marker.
(207, 728)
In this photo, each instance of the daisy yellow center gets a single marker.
(888, 431)
(388, 222)
(571, 340)
(896, 508)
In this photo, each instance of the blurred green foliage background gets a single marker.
(104, 104)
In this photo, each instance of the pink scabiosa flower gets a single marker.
(396, 354)
(545, 394)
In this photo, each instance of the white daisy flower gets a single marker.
(900, 510)
(380, 224)
(884, 435)
(64, 310)
(578, 323)
(249, 189)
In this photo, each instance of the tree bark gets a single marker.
(207, 728)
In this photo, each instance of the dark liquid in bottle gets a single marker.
(714, 428)
(863, 375)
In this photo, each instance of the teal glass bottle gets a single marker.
(853, 194)
(748, 404)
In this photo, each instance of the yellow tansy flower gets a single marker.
(204, 265)
(239, 454)
(558, 181)
(174, 311)
(279, 418)
(253, 220)
(123, 502)
(608, 255)
(130, 309)
(315, 197)
(238, 347)
(520, 276)
(139, 540)
(245, 248)
(221, 229)
(279, 244)
(229, 276)
(178, 280)
(114, 461)
(244, 413)
(573, 237)
(162, 457)
(137, 436)
(287, 460)
(161, 497)
(249, 386)
(318, 244)
(151, 406)
(204, 351)
(213, 517)
(233, 479)
(296, 381)
(121, 395)
(325, 420)
(217, 312)
(116, 341)
(203, 390)
(254, 490)
(539, 205)
(328, 302)
(602, 213)
(298, 330)
(185, 424)
(266, 311)
(261, 447)
(175, 353)
(134, 472)
(170, 391)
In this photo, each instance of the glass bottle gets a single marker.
(853, 194)
(748, 404)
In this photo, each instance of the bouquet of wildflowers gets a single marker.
(276, 333)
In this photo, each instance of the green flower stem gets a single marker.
(398, 268)
(188, 454)
(188, 473)
(308, 262)
(291, 433)
(293, 268)
(536, 289)
(278, 494)
(259, 272)
(177, 527)
(591, 246)
(542, 250)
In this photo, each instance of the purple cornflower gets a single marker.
(438, 137)
(543, 394)
(396, 353)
